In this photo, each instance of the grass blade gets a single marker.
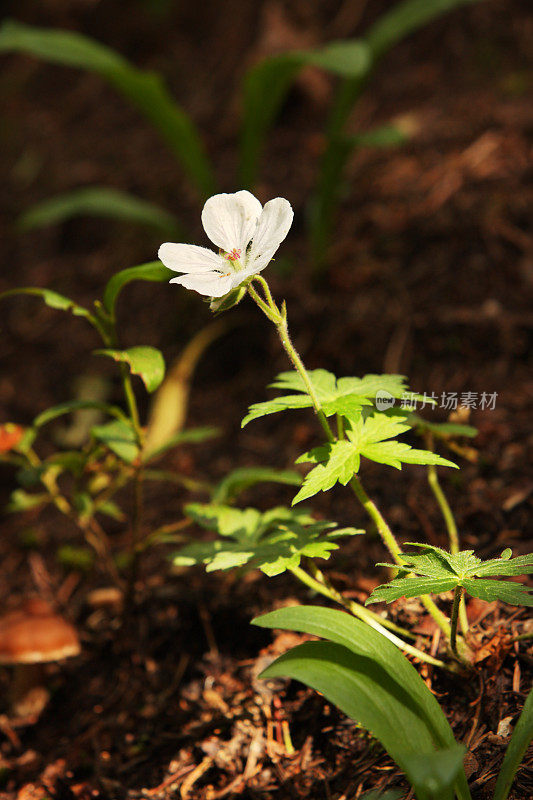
(145, 90)
(520, 740)
(99, 201)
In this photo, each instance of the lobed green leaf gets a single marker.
(410, 587)
(273, 541)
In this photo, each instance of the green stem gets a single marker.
(458, 593)
(451, 525)
(279, 318)
(365, 615)
(351, 605)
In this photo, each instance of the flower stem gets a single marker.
(449, 519)
(458, 593)
(365, 615)
(279, 318)
(352, 606)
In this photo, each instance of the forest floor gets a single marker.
(430, 275)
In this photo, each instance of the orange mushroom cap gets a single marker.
(33, 634)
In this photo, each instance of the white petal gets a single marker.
(272, 228)
(211, 284)
(230, 220)
(190, 258)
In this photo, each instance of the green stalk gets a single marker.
(279, 318)
(363, 613)
(449, 519)
(350, 605)
(458, 593)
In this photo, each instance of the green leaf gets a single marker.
(410, 587)
(441, 429)
(146, 362)
(273, 541)
(390, 794)
(153, 271)
(80, 558)
(53, 300)
(110, 509)
(75, 405)
(120, 437)
(266, 86)
(23, 501)
(436, 571)
(516, 594)
(403, 19)
(363, 690)
(520, 741)
(521, 565)
(382, 136)
(243, 478)
(145, 90)
(433, 774)
(344, 396)
(339, 461)
(388, 681)
(99, 201)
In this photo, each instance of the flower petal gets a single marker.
(211, 284)
(272, 228)
(190, 258)
(230, 220)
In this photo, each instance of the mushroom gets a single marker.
(30, 636)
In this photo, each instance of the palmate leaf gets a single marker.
(410, 587)
(516, 594)
(339, 461)
(344, 396)
(436, 571)
(273, 541)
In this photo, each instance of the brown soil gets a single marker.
(429, 275)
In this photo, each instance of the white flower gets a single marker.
(247, 234)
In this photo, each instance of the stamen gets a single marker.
(234, 255)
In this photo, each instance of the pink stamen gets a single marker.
(234, 255)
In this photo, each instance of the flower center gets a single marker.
(234, 259)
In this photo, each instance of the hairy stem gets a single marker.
(449, 519)
(363, 613)
(458, 593)
(351, 605)
(279, 318)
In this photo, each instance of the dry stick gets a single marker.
(279, 318)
